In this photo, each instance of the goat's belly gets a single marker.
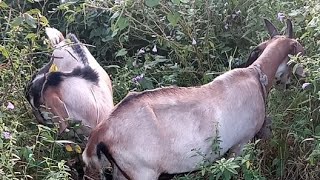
(190, 155)
(238, 128)
(190, 151)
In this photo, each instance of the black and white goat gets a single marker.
(72, 86)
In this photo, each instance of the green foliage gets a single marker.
(146, 44)
(242, 167)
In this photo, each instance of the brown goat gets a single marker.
(170, 130)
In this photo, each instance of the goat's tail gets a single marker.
(97, 153)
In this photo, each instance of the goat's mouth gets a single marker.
(282, 83)
(43, 117)
(280, 86)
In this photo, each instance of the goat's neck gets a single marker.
(272, 57)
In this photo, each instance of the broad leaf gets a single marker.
(17, 21)
(152, 3)
(30, 20)
(173, 18)
(176, 2)
(121, 52)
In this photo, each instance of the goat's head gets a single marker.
(284, 71)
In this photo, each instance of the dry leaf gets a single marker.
(68, 148)
(53, 68)
(77, 148)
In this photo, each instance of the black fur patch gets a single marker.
(34, 90)
(101, 147)
(43, 70)
(77, 48)
(107, 174)
(86, 73)
(56, 78)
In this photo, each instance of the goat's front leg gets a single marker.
(235, 150)
(265, 131)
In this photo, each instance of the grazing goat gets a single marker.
(71, 86)
(170, 130)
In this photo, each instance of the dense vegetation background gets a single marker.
(144, 44)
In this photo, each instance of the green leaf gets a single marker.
(114, 32)
(173, 18)
(298, 69)
(146, 83)
(152, 3)
(26, 153)
(185, 1)
(17, 21)
(4, 51)
(203, 172)
(34, 12)
(122, 23)
(115, 15)
(30, 20)
(121, 52)
(3, 5)
(176, 2)
(44, 21)
(233, 171)
(31, 36)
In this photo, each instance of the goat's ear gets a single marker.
(253, 56)
(272, 30)
(54, 36)
(255, 53)
(289, 30)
